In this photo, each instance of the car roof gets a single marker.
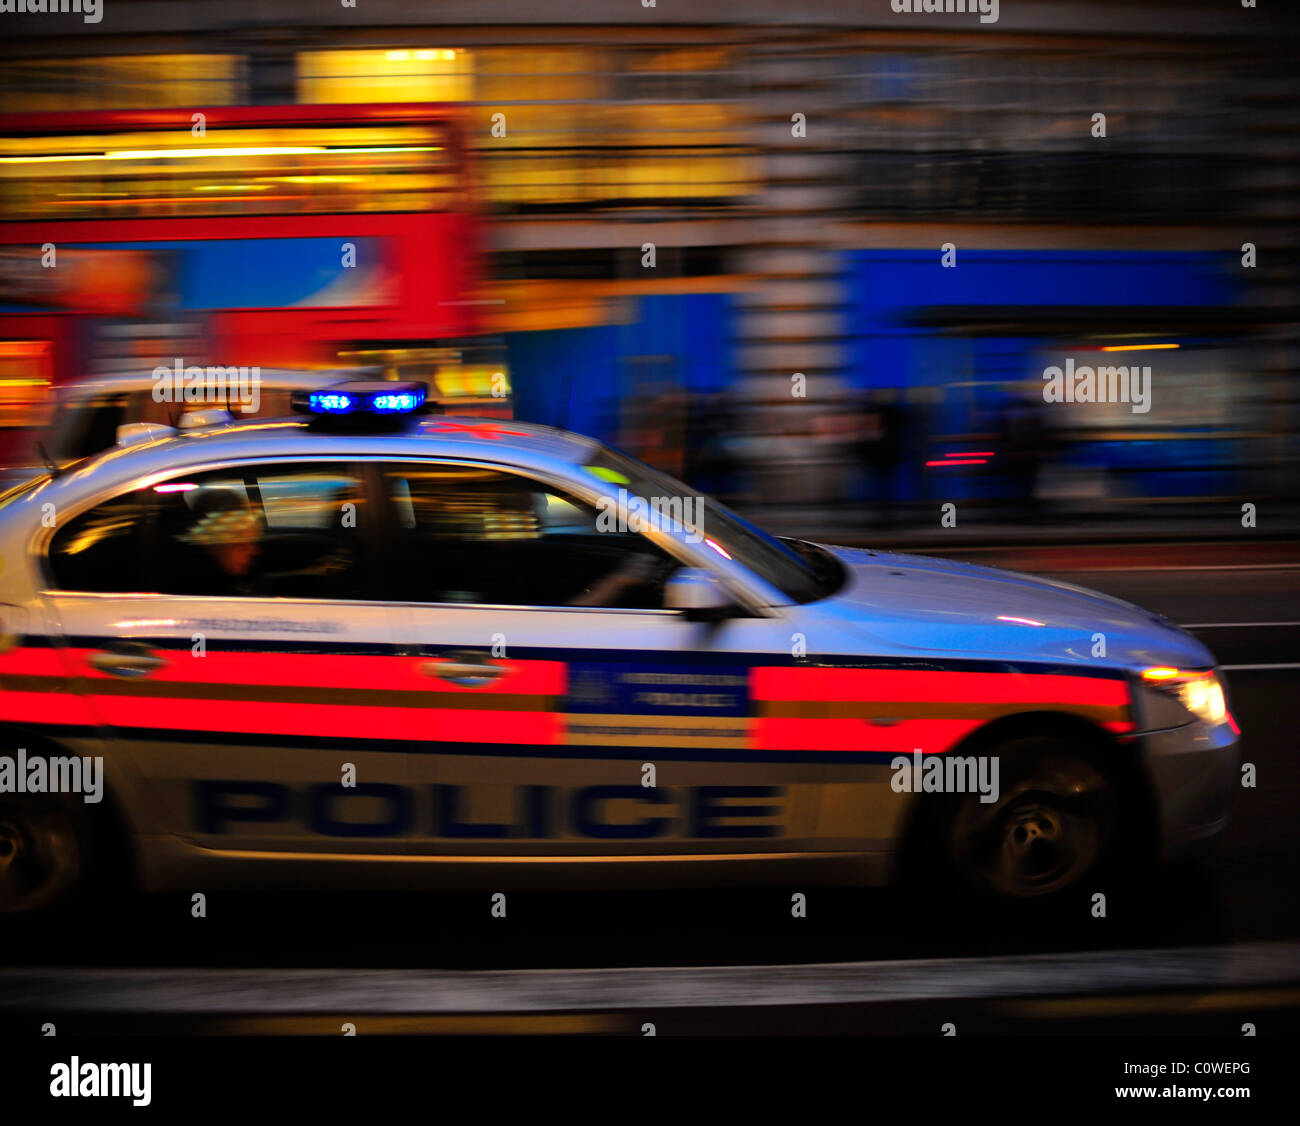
(523, 444)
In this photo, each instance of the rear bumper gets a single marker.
(1194, 771)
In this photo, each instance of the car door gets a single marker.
(214, 624)
(564, 710)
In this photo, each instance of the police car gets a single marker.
(372, 645)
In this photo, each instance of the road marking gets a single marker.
(1255, 668)
(304, 993)
(1238, 625)
(1091, 1007)
(1047, 570)
(440, 1024)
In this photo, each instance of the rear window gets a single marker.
(86, 426)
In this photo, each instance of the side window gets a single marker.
(101, 549)
(477, 535)
(255, 531)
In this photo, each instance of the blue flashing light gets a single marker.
(364, 398)
(330, 402)
(398, 402)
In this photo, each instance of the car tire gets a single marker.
(1062, 818)
(46, 851)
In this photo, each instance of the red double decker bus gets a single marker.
(283, 236)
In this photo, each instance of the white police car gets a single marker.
(376, 646)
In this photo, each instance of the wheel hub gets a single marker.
(1048, 827)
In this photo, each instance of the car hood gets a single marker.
(916, 603)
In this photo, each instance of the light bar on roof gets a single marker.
(357, 398)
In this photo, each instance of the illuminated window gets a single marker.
(296, 170)
(420, 74)
(585, 126)
(455, 376)
(542, 74)
(597, 148)
(26, 372)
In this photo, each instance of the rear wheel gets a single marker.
(44, 849)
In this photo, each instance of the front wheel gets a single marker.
(1057, 818)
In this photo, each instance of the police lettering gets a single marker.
(385, 810)
(685, 699)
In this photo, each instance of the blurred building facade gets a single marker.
(686, 208)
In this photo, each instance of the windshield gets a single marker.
(801, 571)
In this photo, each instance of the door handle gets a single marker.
(129, 664)
(466, 669)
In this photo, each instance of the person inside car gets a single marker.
(228, 537)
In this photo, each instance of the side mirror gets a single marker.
(698, 594)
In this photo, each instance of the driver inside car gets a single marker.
(228, 556)
(228, 537)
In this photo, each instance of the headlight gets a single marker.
(1199, 691)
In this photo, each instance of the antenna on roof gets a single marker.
(50, 463)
